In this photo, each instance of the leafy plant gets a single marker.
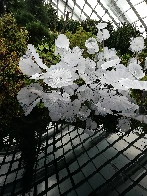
(52, 16)
(13, 6)
(79, 38)
(37, 32)
(67, 25)
(89, 25)
(23, 18)
(38, 10)
(13, 45)
(46, 52)
(120, 38)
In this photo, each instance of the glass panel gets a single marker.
(61, 7)
(68, 10)
(123, 5)
(142, 9)
(74, 17)
(93, 3)
(77, 10)
(71, 4)
(107, 5)
(111, 14)
(107, 2)
(106, 18)
(94, 16)
(81, 3)
(83, 17)
(134, 2)
(87, 10)
(59, 14)
(145, 20)
(131, 16)
(100, 10)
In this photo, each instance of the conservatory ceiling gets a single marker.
(132, 11)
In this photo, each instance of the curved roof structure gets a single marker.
(116, 11)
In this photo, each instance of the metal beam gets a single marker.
(117, 11)
(106, 11)
(70, 9)
(135, 11)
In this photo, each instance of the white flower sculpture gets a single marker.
(101, 25)
(106, 91)
(92, 46)
(61, 44)
(59, 76)
(103, 33)
(137, 44)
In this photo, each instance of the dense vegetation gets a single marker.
(33, 21)
(39, 25)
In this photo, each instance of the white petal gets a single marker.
(106, 34)
(137, 44)
(62, 42)
(25, 96)
(118, 103)
(100, 36)
(35, 55)
(92, 45)
(136, 70)
(59, 76)
(141, 118)
(110, 63)
(28, 108)
(101, 25)
(29, 93)
(55, 116)
(28, 67)
(134, 84)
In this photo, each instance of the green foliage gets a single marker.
(72, 25)
(27, 11)
(13, 45)
(2, 9)
(60, 25)
(43, 26)
(46, 50)
(23, 18)
(120, 38)
(13, 6)
(52, 16)
(79, 38)
(37, 32)
(125, 59)
(89, 25)
(67, 25)
(143, 54)
(38, 10)
(47, 54)
(36, 17)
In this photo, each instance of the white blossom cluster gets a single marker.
(104, 90)
(103, 33)
(137, 44)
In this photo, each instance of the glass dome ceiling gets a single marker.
(116, 11)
